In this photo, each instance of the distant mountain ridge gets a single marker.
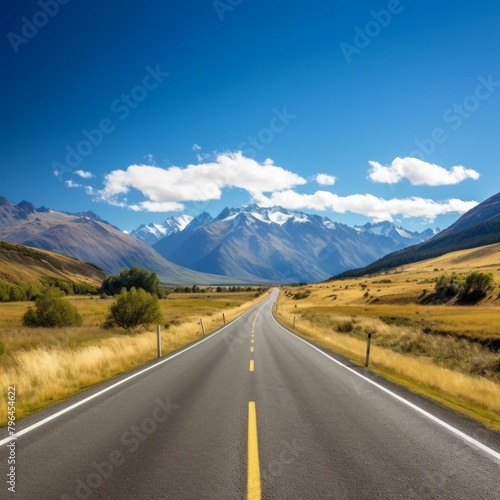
(280, 245)
(477, 227)
(86, 237)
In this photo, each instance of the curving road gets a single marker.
(252, 411)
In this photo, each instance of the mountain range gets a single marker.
(477, 227)
(280, 245)
(245, 245)
(88, 238)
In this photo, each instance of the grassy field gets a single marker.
(448, 352)
(48, 365)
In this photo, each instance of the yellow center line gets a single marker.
(253, 488)
(251, 341)
(251, 349)
(251, 365)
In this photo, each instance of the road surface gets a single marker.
(252, 411)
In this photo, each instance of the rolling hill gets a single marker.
(20, 264)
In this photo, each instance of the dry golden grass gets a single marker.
(48, 365)
(21, 264)
(438, 350)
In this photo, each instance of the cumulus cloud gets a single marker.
(325, 179)
(419, 172)
(196, 147)
(378, 209)
(83, 174)
(202, 182)
(153, 206)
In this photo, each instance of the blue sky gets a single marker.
(149, 109)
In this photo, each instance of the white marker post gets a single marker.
(202, 326)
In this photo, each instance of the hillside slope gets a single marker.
(21, 264)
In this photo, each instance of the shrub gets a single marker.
(344, 327)
(302, 295)
(450, 285)
(134, 308)
(52, 311)
(474, 285)
(477, 284)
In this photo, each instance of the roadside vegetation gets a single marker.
(435, 326)
(50, 364)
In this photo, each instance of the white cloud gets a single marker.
(196, 147)
(166, 189)
(202, 182)
(378, 209)
(83, 174)
(72, 184)
(325, 179)
(419, 172)
(153, 206)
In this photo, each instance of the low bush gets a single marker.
(134, 308)
(52, 311)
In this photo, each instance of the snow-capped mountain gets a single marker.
(153, 232)
(398, 234)
(278, 244)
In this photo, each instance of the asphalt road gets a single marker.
(264, 415)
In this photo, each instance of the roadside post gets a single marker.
(202, 326)
(158, 340)
(368, 342)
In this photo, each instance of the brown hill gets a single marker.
(21, 264)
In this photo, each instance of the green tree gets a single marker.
(133, 308)
(52, 311)
(135, 277)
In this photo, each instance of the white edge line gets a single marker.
(426, 414)
(86, 400)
